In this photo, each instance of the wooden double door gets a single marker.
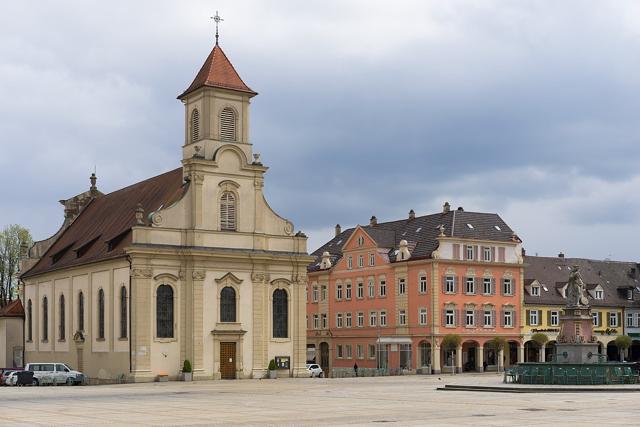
(228, 360)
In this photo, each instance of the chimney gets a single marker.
(412, 214)
(338, 230)
(373, 221)
(560, 255)
(446, 207)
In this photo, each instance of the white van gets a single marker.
(54, 373)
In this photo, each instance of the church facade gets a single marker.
(192, 264)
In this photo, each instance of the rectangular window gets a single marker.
(316, 322)
(402, 317)
(372, 351)
(339, 353)
(323, 294)
(486, 286)
(347, 350)
(383, 288)
(596, 318)
(324, 321)
(450, 318)
(554, 318)
(423, 284)
(373, 318)
(348, 292)
(450, 285)
(338, 291)
(350, 263)
(423, 316)
(360, 291)
(508, 319)
(470, 287)
(372, 289)
(372, 259)
(507, 286)
(599, 294)
(533, 317)
(535, 291)
(488, 318)
(402, 287)
(347, 320)
(360, 319)
(359, 351)
(613, 319)
(470, 252)
(315, 294)
(360, 261)
(383, 318)
(637, 317)
(486, 252)
(338, 320)
(630, 320)
(470, 318)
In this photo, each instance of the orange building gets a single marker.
(383, 296)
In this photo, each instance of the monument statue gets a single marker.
(576, 290)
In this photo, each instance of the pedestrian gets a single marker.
(355, 368)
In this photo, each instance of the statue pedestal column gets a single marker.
(576, 342)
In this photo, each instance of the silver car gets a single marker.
(54, 373)
(315, 371)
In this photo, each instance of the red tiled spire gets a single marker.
(217, 71)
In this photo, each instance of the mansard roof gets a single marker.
(553, 273)
(217, 71)
(422, 232)
(103, 229)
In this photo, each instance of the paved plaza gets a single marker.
(409, 400)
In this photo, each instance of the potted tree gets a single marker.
(540, 339)
(272, 369)
(187, 374)
(623, 342)
(451, 342)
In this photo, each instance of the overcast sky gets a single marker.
(529, 109)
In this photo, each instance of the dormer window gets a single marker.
(599, 294)
(469, 252)
(535, 291)
(360, 240)
(629, 294)
(195, 125)
(487, 254)
(227, 124)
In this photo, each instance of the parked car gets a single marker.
(12, 378)
(4, 379)
(54, 373)
(315, 370)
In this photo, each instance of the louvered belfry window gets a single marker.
(228, 211)
(195, 125)
(227, 124)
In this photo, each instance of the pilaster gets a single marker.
(480, 359)
(259, 282)
(141, 303)
(300, 328)
(197, 316)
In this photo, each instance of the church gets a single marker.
(192, 264)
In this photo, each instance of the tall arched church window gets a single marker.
(101, 314)
(81, 311)
(45, 319)
(228, 304)
(61, 321)
(227, 124)
(280, 314)
(123, 312)
(164, 311)
(195, 125)
(30, 320)
(228, 211)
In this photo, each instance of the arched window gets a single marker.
(164, 311)
(45, 319)
(123, 312)
(62, 320)
(228, 304)
(101, 314)
(228, 211)
(195, 125)
(30, 320)
(280, 314)
(81, 311)
(227, 124)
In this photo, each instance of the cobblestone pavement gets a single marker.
(409, 400)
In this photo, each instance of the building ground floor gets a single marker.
(533, 352)
(395, 355)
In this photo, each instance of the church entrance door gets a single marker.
(228, 360)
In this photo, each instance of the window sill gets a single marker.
(450, 326)
(44, 341)
(281, 340)
(62, 340)
(165, 340)
(508, 327)
(100, 339)
(123, 339)
(29, 341)
(469, 293)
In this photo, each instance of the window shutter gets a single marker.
(479, 317)
(475, 252)
(456, 281)
(514, 314)
(501, 255)
(493, 253)
(443, 322)
(493, 286)
(227, 125)
(476, 283)
(444, 284)
(608, 319)
(528, 319)
(456, 251)
(502, 318)
(195, 125)
(549, 317)
(228, 211)
(493, 318)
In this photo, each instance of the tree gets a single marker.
(540, 339)
(498, 343)
(12, 238)
(451, 341)
(623, 342)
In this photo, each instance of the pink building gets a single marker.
(383, 296)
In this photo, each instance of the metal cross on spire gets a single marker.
(217, 19)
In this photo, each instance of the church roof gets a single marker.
(13, 309)
(103, 229)
(217, 71)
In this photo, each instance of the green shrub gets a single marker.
(623, 342)
(272, 365)
(451, 341)
(186, 367)
(540, 338)
(498, 343)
